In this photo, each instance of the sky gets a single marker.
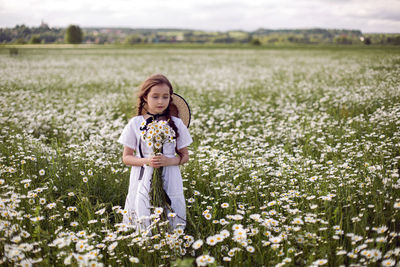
(369, 16)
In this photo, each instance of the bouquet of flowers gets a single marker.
(155, 135)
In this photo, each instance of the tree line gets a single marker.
(74, 34)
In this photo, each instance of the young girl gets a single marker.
(156, 101)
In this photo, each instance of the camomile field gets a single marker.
(295, 159)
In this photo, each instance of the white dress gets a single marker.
(137, 204)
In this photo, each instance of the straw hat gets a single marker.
(183, 110)
(178, 108)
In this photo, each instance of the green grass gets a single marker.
(298, 144)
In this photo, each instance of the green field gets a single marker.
(295, 160)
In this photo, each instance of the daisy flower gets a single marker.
(197, 244)
(224, 205)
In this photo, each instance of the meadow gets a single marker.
(295, 160)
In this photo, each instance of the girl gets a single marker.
(156, 101)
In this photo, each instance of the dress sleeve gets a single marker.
(128, 136)
(184, 138)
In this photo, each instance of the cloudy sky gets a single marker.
(211, 15)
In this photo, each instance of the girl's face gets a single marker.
(158, 98)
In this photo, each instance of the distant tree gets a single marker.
(255, 41)
(73, 34)
(343, 40)
(20, 41)
(367, 41)
(133, 39)
(49, 37)
(35, 39)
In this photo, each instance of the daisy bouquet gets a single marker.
(155, 135)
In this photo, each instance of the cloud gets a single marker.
(366, 15)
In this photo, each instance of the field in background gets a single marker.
(295, 160)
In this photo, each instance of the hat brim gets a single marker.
(183, 109)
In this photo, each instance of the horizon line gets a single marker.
(196, 29)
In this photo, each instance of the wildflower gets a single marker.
(36, 219)
(157, 145)
(320, 262)
(272, 212)
(376, 254)
(275, 246)
(72, 208)
(51, 205)
(237, 217)
(158, 211)
(16, 239)
(237, 227)
(133, 259)
(42, 172)
(211, 240)
(224, 205)
(80, 246)
(225, 233)
(197, 244)
(101, 211)
(25, 234)
(42, 201)
(381, 230)
(352, 255)
(255, 217)
(219, 238)
(179, 231)
(297, 221)
(74, 224)
(396, 205)
(204, 260)
(240, 235)
(381, 239)
(100, 245)
(388, 262)
(275, 239)
(250, 249)
(112, 246)
(81, 233)
(67, 260)
(85, 179)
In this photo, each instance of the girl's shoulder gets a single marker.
(176, 119)
(137, 120)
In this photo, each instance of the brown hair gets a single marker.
(144, 90)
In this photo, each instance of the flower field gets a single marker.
(295, 160)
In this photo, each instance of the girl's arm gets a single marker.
(128, 158)
(161, 161)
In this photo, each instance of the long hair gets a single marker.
(144, 90)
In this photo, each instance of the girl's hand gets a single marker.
(159, 161)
